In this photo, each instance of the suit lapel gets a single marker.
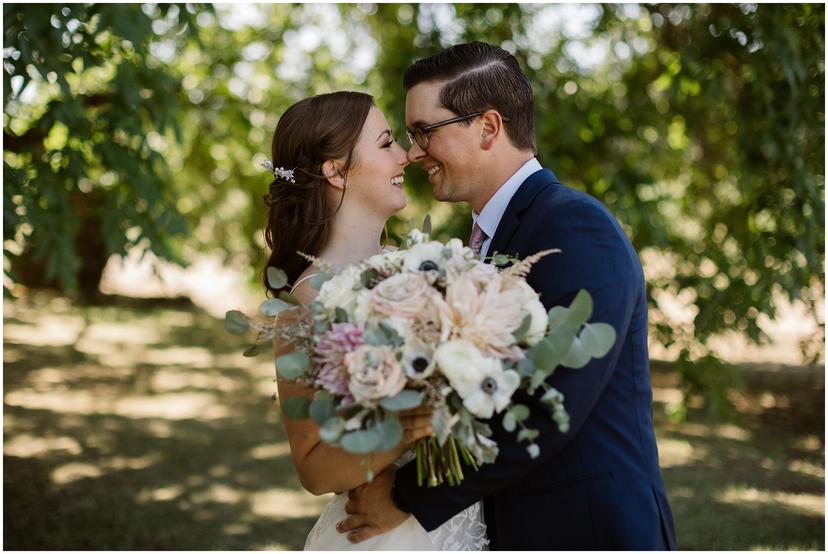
(520, 201)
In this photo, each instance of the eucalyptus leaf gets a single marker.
(577, 357)
(276, 278)
(361, 442)
(580, 310)
(331, 430)
(391, 432)
(322, 409)
(319, 279)
(528, 434)
(285, 296)
(403, 400)
(296, 407)
(557, 317)
(597, 339)
(550, 351)
(273, 306)
(519, 412)
(340, 315)
(553, 396)
(293, 365)
(537, 378)
(520, 333)
(509, 422)
(526, 367)
(236, 322)
(533, 450)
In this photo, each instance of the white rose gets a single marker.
(539, 322)
(338, 291)
(458, 361)
(533, 306)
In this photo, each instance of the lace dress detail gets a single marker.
(465, 531)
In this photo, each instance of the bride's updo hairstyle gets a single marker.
(310, 132)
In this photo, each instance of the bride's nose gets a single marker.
(403, 160)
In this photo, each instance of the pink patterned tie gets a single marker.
(478, 237)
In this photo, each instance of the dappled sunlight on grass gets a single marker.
(673, 452)
(265, 451)
(135, 428)
(26, 445)
(49, 331)
(287, 503)
(810, 504)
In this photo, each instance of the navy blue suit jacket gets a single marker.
(597, 486)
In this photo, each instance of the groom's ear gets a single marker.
(332, 170)
(491, 128)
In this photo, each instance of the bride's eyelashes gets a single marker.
(389, 143)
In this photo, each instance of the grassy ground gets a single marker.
(142, 427)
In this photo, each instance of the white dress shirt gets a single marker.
(489, 218)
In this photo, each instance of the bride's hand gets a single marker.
(416, 424)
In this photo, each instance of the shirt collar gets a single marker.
(489, 218)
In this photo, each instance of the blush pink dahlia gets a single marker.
(330, 353)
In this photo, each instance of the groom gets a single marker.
(598, 486)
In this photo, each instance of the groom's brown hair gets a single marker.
(480, 77)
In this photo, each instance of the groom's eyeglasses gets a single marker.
(420, 134)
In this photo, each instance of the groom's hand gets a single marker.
(370, 509)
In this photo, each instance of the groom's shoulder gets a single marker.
(564, 200)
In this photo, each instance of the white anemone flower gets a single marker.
(425, 256)
(417, 359)
(481, 382)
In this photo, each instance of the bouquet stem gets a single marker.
(438, 464)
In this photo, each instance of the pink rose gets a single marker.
(403, 295)
(375, 373)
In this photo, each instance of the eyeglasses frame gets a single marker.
(428, 128)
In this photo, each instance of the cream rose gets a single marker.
(532, 306)
(403, 295)
(374, 373)
(338, 291)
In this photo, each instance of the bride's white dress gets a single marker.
(464, 531)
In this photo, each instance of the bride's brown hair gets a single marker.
(310, 132)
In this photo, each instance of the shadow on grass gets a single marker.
(147, 429)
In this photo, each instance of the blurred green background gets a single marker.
(132, 218)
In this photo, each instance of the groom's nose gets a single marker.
(415, 152)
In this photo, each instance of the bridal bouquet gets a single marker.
(428, 324)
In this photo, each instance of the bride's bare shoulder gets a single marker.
(302, 289)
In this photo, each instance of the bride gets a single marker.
(338, 176)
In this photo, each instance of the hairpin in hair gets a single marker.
(286, 174)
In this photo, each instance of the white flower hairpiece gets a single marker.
(286, 174)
